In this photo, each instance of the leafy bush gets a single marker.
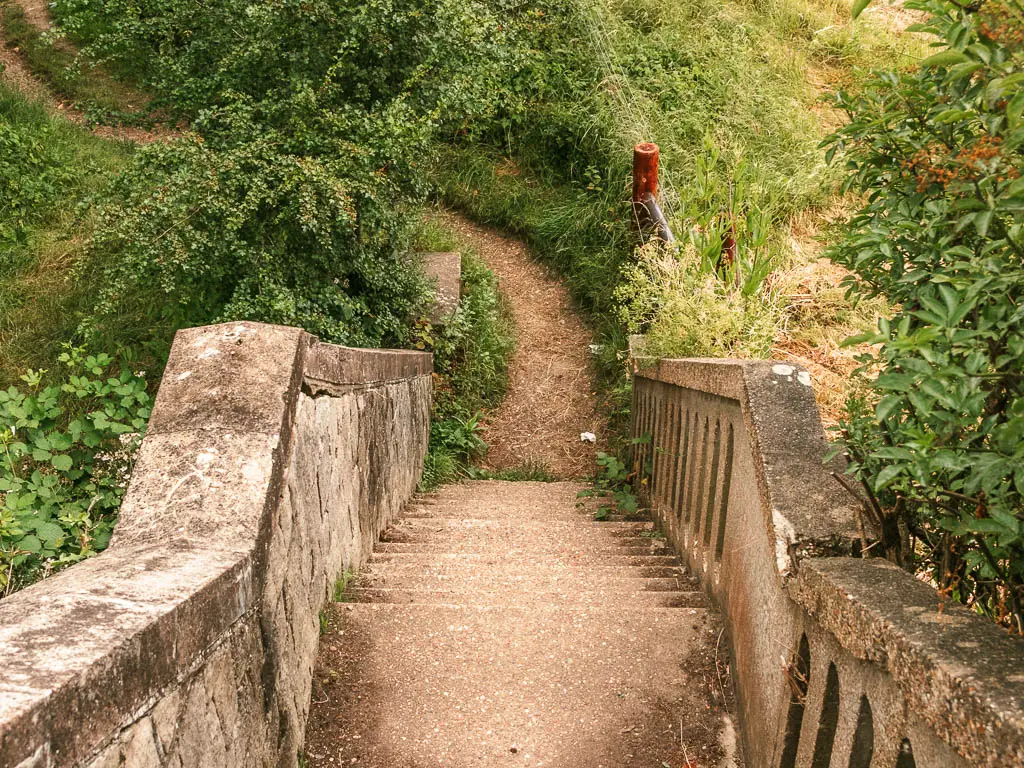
(294, 199)
(67, 452)
(194, 234)
(472, 350)
(937, 439)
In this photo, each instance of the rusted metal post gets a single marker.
(645, 171)
(645, 190)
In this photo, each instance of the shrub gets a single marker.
(687, 310)
(67, 451)
(192, 234)
(937, 439)
(293, 199)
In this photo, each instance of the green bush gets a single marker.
(937, 439)
(67, 452)
(193, 234)
(294, 198)
(471, 353)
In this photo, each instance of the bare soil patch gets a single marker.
(552, 390)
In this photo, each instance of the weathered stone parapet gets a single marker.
(961, 675)
(805, 509)
(838, 661)
(271, 463)
(444, 269)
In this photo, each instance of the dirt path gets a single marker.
(15, 72)
(552, 390)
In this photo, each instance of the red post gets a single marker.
(645, 171)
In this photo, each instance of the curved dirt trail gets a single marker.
(15, 72)
(552, 390)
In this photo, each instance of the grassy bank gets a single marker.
(731, 93)
(48, 168)
(76, 79)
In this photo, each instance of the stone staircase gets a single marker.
(498, 624)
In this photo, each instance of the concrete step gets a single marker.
(613, 559)
(499, 569)
(489, 581)
(516, 598)
(465, 524)
(536, 549)
(576, 516)
(511, 686)
(584, 513)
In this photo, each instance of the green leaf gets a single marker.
(953, 116)
(62, 462)
(886, 476)
(858, 7)
(31, 544)
(960, 71)
(944, 59)
(982, 221)
(1015, 108)
(50, 533)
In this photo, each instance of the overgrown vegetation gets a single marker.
(67, 452)
(48, 167)
(936, 439)
(723, 90)
(471, 352)
(295, 197)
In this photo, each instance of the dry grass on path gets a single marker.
(552, 389)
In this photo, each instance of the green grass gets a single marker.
(103, 98)
(744, 77)
(52, 167)
(341, 586)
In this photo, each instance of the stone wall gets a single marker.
(271, 464)
(838, 661)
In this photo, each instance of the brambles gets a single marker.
(937, 439)
(66, 453)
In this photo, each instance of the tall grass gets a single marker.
(48, 167)
(740, 78)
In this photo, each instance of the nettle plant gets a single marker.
(936, 438)
(66, 452)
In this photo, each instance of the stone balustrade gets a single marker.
(838, 661)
